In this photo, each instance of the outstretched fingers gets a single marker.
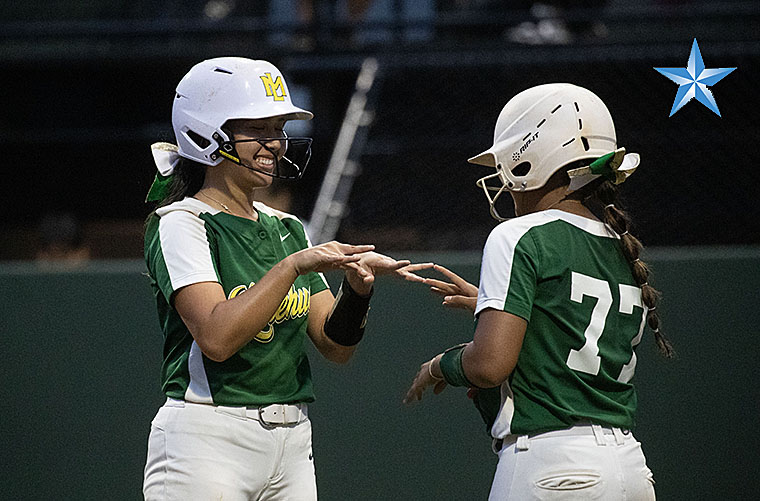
(334, 261)
(422, 381)
(407, 272)
(419, 266)
(381, 264)
(351, 250)
(456, 279)
(401, 264)
(461, 302)
(343, 260)
(440, 292)
(441, 286)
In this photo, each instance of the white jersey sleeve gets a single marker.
(508, 271)
(185, 250)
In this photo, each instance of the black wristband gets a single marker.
(345, 324)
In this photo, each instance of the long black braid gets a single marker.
(604, 202)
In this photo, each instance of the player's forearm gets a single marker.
(235, 322)
(321, 306)
(492, 355)
(480, 369)
(333, 351)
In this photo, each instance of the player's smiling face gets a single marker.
(253, 153)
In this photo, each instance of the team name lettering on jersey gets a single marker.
(294, 305)
(272, 86)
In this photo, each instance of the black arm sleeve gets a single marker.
(345, 324)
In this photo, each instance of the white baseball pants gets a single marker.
(584, 462)
(204, 452)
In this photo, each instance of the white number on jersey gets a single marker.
(587, 359)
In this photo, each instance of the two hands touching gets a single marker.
(362, 265)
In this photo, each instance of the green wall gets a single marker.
(81, 355)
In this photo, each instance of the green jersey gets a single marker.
(189, 242)
(566, 275)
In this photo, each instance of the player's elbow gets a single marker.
(341, 357)
(214, 348)
(338, 354)
(217, 356)
(216, 353)
(485, 380)
(487, 374)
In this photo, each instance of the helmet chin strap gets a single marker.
(228, 151)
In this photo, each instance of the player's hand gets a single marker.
(458, 293)
(422, 381)
(361, 274)
(328, 256)
(407, 272)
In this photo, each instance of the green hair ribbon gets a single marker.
(160, 188)
(615, 166)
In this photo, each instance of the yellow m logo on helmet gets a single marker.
(274, 87)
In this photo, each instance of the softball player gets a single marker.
(563, 302)
(238, 289)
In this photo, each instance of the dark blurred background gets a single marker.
(87, 87)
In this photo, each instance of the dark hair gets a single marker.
(603, 202)
(187, 180)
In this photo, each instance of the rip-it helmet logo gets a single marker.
(693, 81)
(528, 140)
(275, 89)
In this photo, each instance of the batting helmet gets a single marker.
(541, 130)
(221, 89)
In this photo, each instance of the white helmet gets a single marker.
(541, 130)
(221, 89)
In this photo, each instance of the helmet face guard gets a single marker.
(487, 190)
(290, 163)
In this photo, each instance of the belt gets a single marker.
(267, 415)
(522, 442)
